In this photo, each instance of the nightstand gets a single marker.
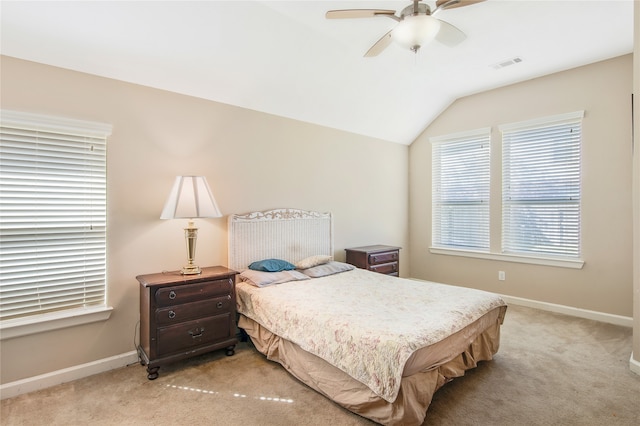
(182, 316)
(376, 258)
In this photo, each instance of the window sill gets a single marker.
(52, 321)
(545, 261)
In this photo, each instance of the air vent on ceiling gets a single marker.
(506, 63)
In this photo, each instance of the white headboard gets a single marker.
(287, 234)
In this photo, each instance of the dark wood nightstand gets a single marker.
(377, 258)
(186, 315)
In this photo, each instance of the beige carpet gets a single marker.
(551, 370)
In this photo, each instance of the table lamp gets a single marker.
(190, 198)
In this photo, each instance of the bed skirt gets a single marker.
(416, 389)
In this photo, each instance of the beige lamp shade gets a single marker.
(190, 198)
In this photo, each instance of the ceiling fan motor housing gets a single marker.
(419, 9)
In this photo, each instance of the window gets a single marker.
(52, 214)
(541, 186)
(461, 187)
(536, 217)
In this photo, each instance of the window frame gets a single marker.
(30, 126)
(478, 203)
(542, 196)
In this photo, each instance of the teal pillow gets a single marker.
(272, 265)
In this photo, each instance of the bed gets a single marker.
(380, 346)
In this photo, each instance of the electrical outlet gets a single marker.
(502, 276)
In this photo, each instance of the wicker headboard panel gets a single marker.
(287, 234)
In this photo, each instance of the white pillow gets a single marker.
(312, 261)
(263, 279)
(328, 268)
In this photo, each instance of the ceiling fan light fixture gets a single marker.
(415, 31)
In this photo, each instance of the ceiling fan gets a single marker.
(416, 25)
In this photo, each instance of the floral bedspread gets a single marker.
(364, 323)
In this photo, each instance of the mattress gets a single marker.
(375, 328)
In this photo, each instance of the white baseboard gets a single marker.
(19, 387)
(569, 310)
(634, 365)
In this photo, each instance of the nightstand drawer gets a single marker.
(193, 310)
(168, 296)
(385, 268)
(193, 333)
(384, 257)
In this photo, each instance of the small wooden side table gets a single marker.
(182, 316)
(378, 258)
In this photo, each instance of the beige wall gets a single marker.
(604, 284)
(253, 161)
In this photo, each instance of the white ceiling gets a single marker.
(285, 58)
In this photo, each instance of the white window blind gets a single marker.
(460, 192)
(52, 214)
(541, 186)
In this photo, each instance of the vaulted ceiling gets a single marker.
(285, 58)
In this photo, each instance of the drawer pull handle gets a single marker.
(196, 333)
(172, 295)
(172, 314)
(220, 305)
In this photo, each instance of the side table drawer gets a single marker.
(193, 310)
(384, 257)
(191, 334)
(168, 296)
(385, 268)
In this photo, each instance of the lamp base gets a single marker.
(191, 270)
(191, 235)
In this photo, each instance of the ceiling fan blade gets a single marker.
(450, 35)
(452, 4)
(379, 45)
(358, 13)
